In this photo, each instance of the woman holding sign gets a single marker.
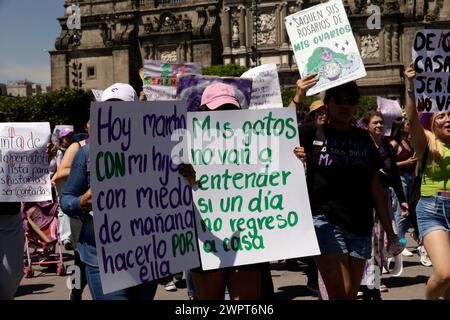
(344, 186)
(76, 201)
(433, 210)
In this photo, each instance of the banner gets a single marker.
(323, 42)
(160, 78)
(266, 91)
(250, 207)
(143, 218)
(24, 163)
(431, 56)
(391, 110)
(190, 88)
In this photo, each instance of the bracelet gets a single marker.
(295, 102)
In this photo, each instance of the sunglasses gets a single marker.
(351, 101)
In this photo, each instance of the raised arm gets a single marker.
(303, 85)
(418, 137)
(64, 168)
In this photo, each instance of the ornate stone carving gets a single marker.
(235, 36)
(201, 22)
(267, 34)
(108, 31)
(169, 23)
(370, 47)
(211, 22)
(169, 56)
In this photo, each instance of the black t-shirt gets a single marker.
(338, 177)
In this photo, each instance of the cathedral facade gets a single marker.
(117, 35)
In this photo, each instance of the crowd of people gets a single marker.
(366, 191)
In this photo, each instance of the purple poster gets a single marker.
(190, 88)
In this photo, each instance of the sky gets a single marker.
(28, 30)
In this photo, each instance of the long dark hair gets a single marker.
(396, 131)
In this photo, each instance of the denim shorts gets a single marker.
(333, 240)
(433, 213)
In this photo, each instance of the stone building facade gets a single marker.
(117, 35)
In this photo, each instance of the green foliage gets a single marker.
(228, 70)
(63, 106)
(366, 103)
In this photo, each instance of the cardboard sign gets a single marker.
(266, 91)
(24, 163)
(160, 78)
(323, 43)
(250, 206)
(431, 56)
(142, 206)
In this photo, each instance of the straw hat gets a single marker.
(313, 107)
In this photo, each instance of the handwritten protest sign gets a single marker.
(24, 163)
(250, 206)
(160, 78)
(190, 88)
(431, 56)
(391, 110)
(142, 207)
(323, 42)
(266, 91)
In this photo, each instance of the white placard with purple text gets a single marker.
(142, 206)
(24, 163)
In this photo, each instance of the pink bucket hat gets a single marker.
(218, 94)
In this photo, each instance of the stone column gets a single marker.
(387, 43)
(242, 27)
(226, 30)
(189, 51)
(278, 21)
(183, 51)
(284, 36)
(395, 49)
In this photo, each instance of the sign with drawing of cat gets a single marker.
(323, 43)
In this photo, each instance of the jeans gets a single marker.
(145, 291)
(403, 223)
(11, 254)
(334, 240)
(433, 213)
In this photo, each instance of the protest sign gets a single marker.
(391, 110)
(160, 78)
(266, 91)
(323, 43)
(431, 56)
(142, 206)
(250, 207)
(24, 163)
(190, 88)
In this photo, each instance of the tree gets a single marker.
(228, 70)
(63, 106)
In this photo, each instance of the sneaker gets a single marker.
(359, 294)
(424, 259)
(170, 286)
(407, 253)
